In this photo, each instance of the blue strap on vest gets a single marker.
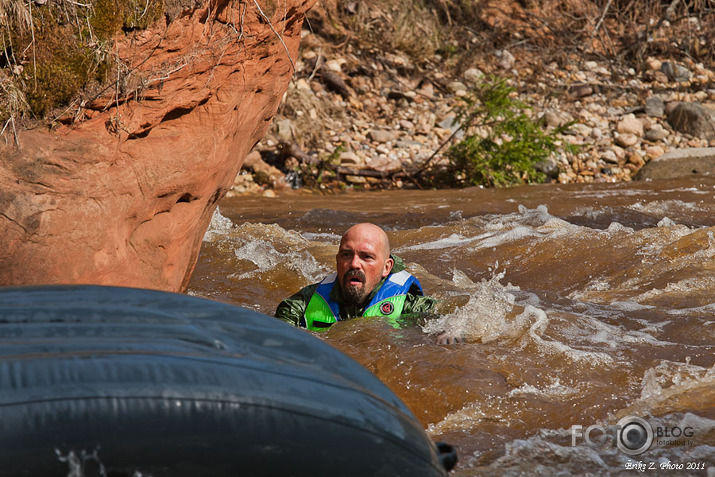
(395, 284)
(324, 291)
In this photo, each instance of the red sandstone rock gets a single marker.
(123, 197)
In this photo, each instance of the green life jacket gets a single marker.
(389, 301)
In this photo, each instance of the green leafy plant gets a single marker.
(501, 143)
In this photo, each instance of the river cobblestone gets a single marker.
(387, 115)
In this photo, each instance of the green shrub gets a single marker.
(501, 143)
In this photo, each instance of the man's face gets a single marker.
(361, 263)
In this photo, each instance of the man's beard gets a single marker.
(354, 294)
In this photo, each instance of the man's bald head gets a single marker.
(367, 232)
(363, 260)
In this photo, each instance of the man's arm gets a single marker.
(416, 303)
(292, 309)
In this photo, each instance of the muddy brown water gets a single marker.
(581, 305)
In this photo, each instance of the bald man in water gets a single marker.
(368, 281)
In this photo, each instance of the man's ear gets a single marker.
(388, 267)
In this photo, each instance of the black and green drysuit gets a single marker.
(319, 305)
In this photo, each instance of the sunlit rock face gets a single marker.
(122, 193)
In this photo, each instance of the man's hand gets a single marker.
(447, 338)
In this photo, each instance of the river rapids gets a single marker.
(580, 305)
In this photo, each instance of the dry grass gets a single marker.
(299, 106)
(54, 54)
(625, 32)
(13, 103)
(413, 27)
(13, 107)
(15, 13)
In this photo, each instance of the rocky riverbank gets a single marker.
(367, 118)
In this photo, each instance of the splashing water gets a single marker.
(486, 316)
(78, 462)
(607, 311)
(218, 227)
(265, 257)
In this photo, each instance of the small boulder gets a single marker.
(635, 159)
(285, 129)
(473, 76)
(382, 136)
(680, 163)
(426, 89)
(675, 72)
(406, 125)
(655, 106)
(656, 133)
(609, 156)
(385, 164)
(550, 167)
(456, 86)
(554, 119)
(506, 59)
(630, 125)
(654, 64)
(654, 152)
(580, 90)
(670, 107)
(626, 139)
(334, 66)
(349, 158)
(694, 119)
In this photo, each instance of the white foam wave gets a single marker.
(553, 346)
(501, 229)
(218, 227)
(536, 455)
(668, 378)
(707, 310)
(517, 233)
(666, 222)
(555, 389)
(615, 227)
(492, 314)
(552, 452)
(613, 336)
(682, 287)
(321, 237)
(629, 306)
(485, 316)
(453, 240)
(265, 257)
(268, 247)
(664, 207)
(540, 213)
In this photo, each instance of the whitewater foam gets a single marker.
(218, 227)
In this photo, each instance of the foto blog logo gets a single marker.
(632, 435)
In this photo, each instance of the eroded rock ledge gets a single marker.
(123, 196)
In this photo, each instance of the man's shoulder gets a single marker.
(301, 297)
(291, 309)
(398, 264)
(305, 292)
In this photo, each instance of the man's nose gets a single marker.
(356, 262)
